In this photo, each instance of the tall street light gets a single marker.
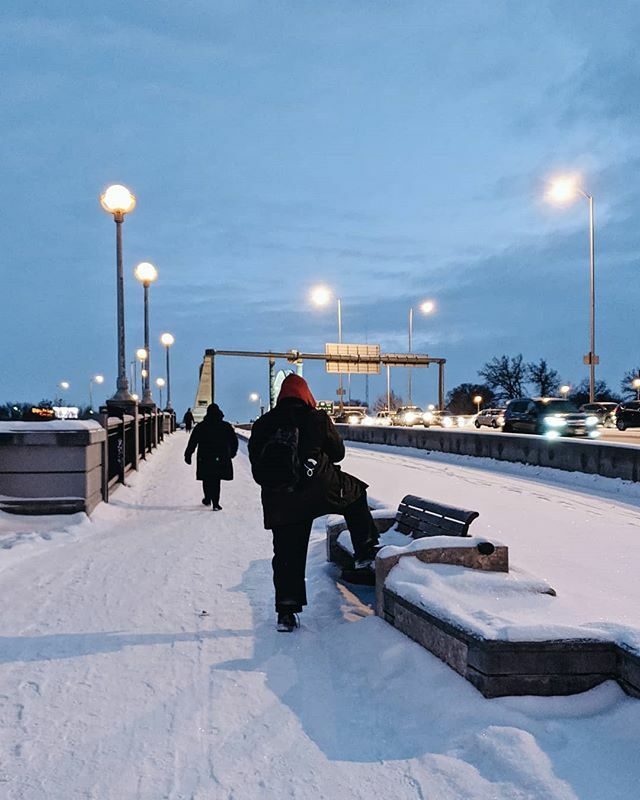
(255, 398)
(118, 200)
(478, 401)
(146, 273)
(636, 385)
(427, 307)
(99, 379)
(167, 340)
(322, 296)
(563, 190)
(160, 382)
(564, 390)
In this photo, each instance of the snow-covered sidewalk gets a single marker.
(112, 686)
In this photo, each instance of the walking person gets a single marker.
(187, 420)
(217, 444)
(293, 451)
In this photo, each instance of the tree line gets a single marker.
(509, 377)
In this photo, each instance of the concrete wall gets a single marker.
(573, 455)
(50, 467)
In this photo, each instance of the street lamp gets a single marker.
(563, 190)
(477, 400)
(564, 390)
(167, 340)
(426, 308)
(636, 385)
(322, 296)
(146, 273)
(96, 379)
(118, 200)
(255, 398)
(160, 382)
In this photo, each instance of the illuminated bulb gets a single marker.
(321, 295)
(145, 272)
(562, 190)
(118, 200)
(167, 339)
(427, 307)
(141, 354)
(99, 379)
(254, 397)
(160, 382)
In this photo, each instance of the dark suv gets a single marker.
(628, 415)
(548, 416)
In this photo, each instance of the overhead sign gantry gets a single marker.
(338, 358)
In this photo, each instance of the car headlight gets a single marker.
(591, 421)
(353, 419)
(367, 421)
(428, 416)
(552, 435)
(447, 422)
(461, 422)
(410, 417)
(555, 422)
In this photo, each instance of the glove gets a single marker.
(187, 459)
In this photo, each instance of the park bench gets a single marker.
(416, 517)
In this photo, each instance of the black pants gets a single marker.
(290, 545)
(211, 489)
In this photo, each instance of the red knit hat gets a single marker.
(295, 386)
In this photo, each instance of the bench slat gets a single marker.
(461, 514)
(420, 517)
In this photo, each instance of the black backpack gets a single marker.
(278, 466)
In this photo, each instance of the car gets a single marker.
(628, 415)
(548, 416)
(350, 416)
(408, 416)
(443, 418)
(382, 418)
(606, 413)
(491, 417)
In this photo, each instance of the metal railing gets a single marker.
(129, 440)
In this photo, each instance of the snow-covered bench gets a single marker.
(415, 518)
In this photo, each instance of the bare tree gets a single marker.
(629, 391)
(381, 403)
(545, 379)
(506, 376)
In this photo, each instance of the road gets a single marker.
(613, 435)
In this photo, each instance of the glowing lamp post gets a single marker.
(146, 273)
(99, 379)
(427, 307)
(564, 391)
(167, 340)
(160, 382)
(561, 191)
(322, 296)
(255, 398)
(477, 400)
(119, 201)
(636, 385)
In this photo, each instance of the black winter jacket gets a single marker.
(217, 444)
(330, 490)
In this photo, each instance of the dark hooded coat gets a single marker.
(217, 444)
(330, 490)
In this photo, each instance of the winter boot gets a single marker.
(287, 622)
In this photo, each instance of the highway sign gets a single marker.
(352, 358)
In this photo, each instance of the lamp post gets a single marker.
(119, 201)
(63, 385)
(96, 379)
(255, 398)
(146, 273)
(563, 190)
(167, 339)
(322, 296)
(141, 355)
(636, 385)
(160, 382)
(564, 390)
(426, 308)
(477, 400)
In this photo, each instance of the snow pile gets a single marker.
(431, 543)
(50, 425)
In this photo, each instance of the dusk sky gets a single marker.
(396, 151)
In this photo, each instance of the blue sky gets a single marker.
(395, 150)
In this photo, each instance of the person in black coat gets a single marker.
(217, 444)
(289, 514)
(187, 420)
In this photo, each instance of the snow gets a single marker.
(50, 425)
(112, 686)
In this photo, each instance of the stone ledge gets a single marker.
(499, 667)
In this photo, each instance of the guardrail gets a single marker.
(572, 455)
